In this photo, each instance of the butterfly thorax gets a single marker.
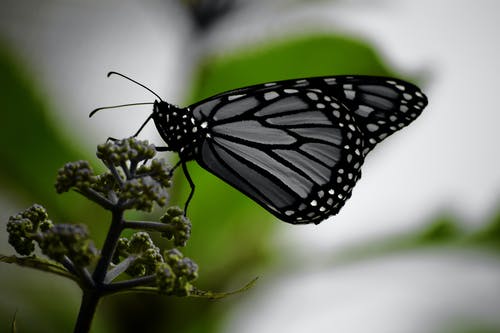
(178, 129)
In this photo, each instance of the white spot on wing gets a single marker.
(350, 94)
(270, 95)
(233, 97)
(312, 96)
(364, 110)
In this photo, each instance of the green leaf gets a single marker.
(40, 264)
(315, 55)
(198, 293)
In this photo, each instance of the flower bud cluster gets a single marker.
(180, 230)
(121, 151)
(78, 175)
(126, 185)
(175, 275)
(57, 242)
(144, 254)
(24, 228)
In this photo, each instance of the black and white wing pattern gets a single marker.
(296, 147)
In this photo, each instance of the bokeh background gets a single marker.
(416, 248)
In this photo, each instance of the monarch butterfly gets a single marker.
(296, 147)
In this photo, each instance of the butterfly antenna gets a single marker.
(117, 106)
(132, 80)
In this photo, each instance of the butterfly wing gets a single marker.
(380, 105)
(296, 152)
(296, 146)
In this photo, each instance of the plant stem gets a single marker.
(109, 246)
(150, 226)
(93, 292)
(129, 284)
(90, 299)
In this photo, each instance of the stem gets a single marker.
(150, 226)
(80, 272)
(125, 170)
(133, 168)
(118, 269)
(95, 196)
(93, 293)
(116, 175)
(128, 284)
(90, 299)
(109, 246)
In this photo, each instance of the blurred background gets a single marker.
(416, 248)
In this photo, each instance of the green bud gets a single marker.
(19, 230)
(119, 151)
(140, 242)
(143, 193)
(77, 175)
(23, 228)
(158, 170)
(181, 226)
(71, 240)
(165, 278)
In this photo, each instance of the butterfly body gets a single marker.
(296, 147)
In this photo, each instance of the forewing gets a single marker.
(380, 105)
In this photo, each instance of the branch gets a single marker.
(41, 264)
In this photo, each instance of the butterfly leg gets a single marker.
(186, 174)
(162, 149)
(142, 126)
(175, 167)
(191, 185)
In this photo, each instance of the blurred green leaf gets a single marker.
(489, 235)
(313, 55)
(38, 263)
(443, 231)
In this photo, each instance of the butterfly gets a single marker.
(295, 147)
